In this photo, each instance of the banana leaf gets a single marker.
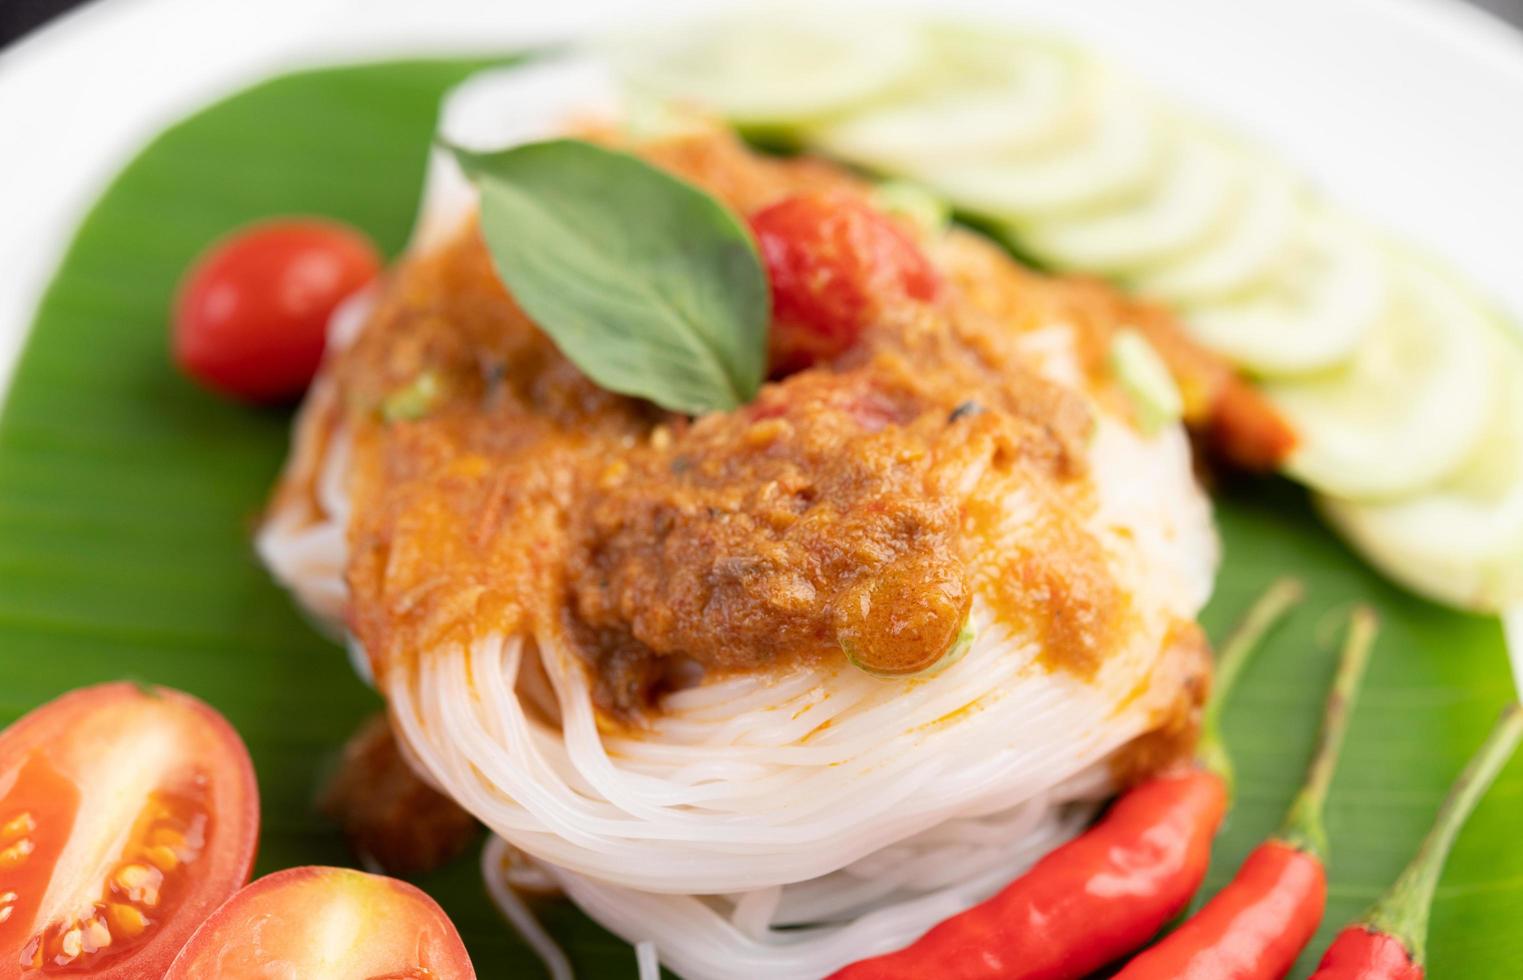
(127, 496)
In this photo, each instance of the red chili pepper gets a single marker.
(1091, 900)
(1108, 891)
(1258, 924)
(1389, 942)
(1367, 954)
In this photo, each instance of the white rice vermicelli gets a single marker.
(874, 905)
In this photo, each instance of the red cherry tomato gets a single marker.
(834, 262)
(127, 815)
(325, 922)
(251, 318)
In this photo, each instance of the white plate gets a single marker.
(1407, 111)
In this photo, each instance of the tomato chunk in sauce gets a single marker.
(834, 262)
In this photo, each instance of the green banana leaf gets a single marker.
(127, 497)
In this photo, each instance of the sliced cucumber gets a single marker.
(1189, 197)
(1462, 542)
(977, 95)
(1111, 158)
(778, 64)
(1241, 251)
(1313, 311)
(1409, 407)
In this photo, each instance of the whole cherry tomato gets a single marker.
(834, 262)
(251, 317)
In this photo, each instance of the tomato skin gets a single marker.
(385, 928)
(833, 262)
(251, 317)
(50, 760)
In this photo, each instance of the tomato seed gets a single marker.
(126, 920)
(139, 883)
(167, 837)
(12, 856)
(163, 858)
(19, 825)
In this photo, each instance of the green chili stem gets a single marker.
(1303, 825)
(1246, 638)
(1403, 911)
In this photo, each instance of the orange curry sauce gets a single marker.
(854, 503)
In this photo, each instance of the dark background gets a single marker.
(20, 16)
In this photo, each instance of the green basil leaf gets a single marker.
(648, 284)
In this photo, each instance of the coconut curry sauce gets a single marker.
(853, 507)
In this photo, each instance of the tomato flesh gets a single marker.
(834, 263)
(126, 816)
(36, 817)
(251, 318)
(326, 922)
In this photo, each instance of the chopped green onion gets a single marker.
(924, 209)
(1146, 380)
(414, 401)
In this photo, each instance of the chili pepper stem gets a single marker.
(1303, 824)
(1402, 912)
(1262, 617)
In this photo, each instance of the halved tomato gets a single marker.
(127, 814)
(334, 923)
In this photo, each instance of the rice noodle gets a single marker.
(303, 540)
(496, 871)
(646, 961)
(814, 927)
